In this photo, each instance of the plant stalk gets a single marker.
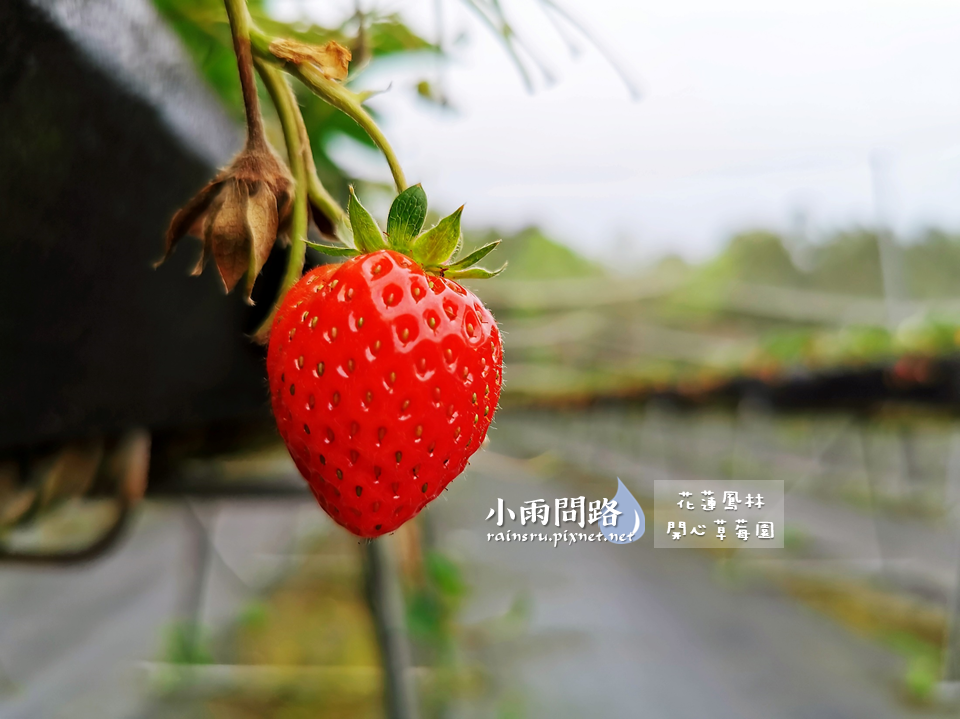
(287, 110)
(346, 101)
(240, 25)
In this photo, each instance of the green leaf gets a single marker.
(334, 250)
(474, 273)
(366, 232)
(437, 244)
(407, 214)
(475, 256)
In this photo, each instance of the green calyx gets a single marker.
(435, 249)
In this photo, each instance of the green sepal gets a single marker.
(333, 250)
(437, 245)
(406, 217)
(474, 257)
(474, 273)
(366, 232)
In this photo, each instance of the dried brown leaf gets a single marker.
(332, 59)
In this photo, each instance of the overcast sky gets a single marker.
(753, 112)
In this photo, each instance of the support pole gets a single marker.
(386, 604)
(951, 650)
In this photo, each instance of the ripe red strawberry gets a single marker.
(384, 378)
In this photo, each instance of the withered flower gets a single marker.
(240, 213)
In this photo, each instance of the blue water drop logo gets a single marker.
(630, 522)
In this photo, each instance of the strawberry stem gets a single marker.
(297, 150)
(347, 102)
(288, 109)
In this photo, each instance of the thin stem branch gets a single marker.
(319, 194)
(285, 101)
(336, 95)
(289, 113)
(504, 34)
(625, 76)
(240, 24)
(346, 101)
